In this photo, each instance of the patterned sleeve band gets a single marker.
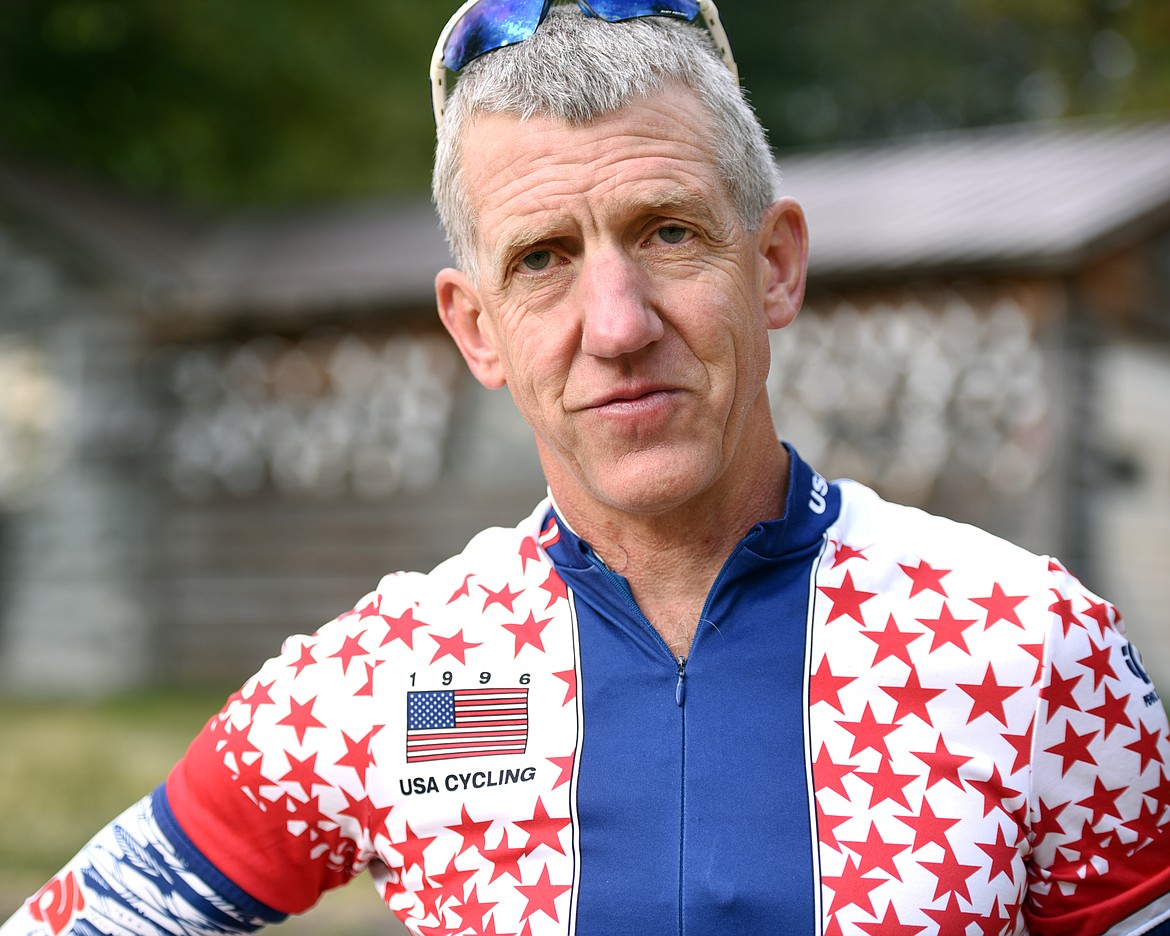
(140, 875)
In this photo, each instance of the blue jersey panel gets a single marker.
(734, 841)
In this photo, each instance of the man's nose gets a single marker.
(618, 316)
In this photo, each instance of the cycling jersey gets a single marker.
(887, 723)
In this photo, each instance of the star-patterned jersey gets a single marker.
(887, 724)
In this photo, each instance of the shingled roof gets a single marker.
(1032, 196)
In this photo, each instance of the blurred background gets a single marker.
(226, 407)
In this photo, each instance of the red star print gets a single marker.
(850, 888)
(1063, 609)
(1074, 747)
(370, 610)
(988, 697)
(891, 642)
(1089, 843)
(994, 791)
(528, 633)
(528, 552)
(1059, 693)
(1098, 663)
(453, 646)
(925, 578)
(473, 833)
(371, 818)
(504, 859)
(827, 827)
(947, 629)
(556, 588)
(823, 686)
(845, 553)
(827, 775)
(847, 599)
(877, 854)
(451, 883)
(1113, 712)
(1103, 801)
(542, 896)
(249, 777)
(300, 716)
(367, 688)
(911, 698)
(890, 925)
(952, 918)
(472, 911)
(258, 696)
(350, 648)
(952, 876)
(994, 924)
(1146, 826)
(565, 766)
(401, 628)
(1147, 747)
(943, 764)
(1000, 606)
(306, 659)
(1103, 613)
(1160, 792)
(1023, 747)
(868, 733)
(886, 784)
(357, 754)
(306, 811)
(542, 829)
(238, 743)
(304, 773)
(1002, 854)
(1048, 820)
(569, 677)
(463, 591)
(411, 849)
(1036, 651)
(489, 928)
(504, 597)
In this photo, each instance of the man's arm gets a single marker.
(140, 875)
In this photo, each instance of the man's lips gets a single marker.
(631, 399)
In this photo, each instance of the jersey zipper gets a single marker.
(680, 696)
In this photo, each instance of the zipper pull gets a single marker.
(680, 692)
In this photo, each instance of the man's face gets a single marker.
(620, 300)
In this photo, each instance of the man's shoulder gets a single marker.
(899, 532)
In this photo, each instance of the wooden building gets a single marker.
(218, 432)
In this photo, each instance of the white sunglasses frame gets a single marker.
(707, 10)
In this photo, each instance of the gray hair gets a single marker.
(578, 69)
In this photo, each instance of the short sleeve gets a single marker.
(1100, 819)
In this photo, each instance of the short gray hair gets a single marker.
(578, 69)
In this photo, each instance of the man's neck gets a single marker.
(671, 559)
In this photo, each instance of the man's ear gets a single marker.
(783, 244)
(462, 313)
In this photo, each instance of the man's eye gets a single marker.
(537, 260)
(673, 234)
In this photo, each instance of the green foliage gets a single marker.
(223, 102)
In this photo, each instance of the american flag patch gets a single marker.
(449, 723)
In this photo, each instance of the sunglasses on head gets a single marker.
(482, 26)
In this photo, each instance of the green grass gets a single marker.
(68, 768)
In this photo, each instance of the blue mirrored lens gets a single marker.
(616, 10)
(491, 25)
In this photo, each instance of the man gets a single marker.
(700, 689)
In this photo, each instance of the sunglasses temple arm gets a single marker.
(719, 35)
